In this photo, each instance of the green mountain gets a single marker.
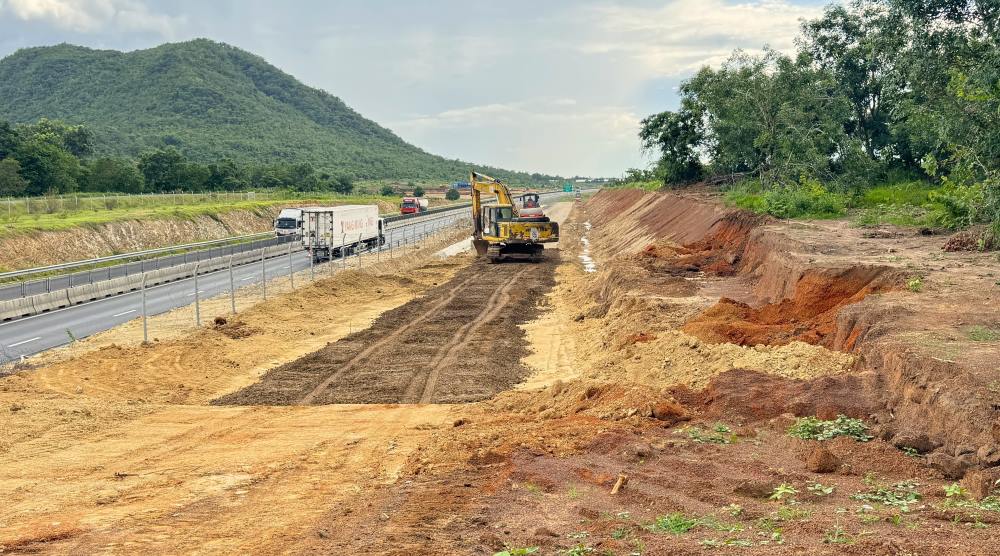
(210, 101)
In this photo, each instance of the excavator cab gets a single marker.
(493, 216)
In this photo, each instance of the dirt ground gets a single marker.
(530, 392)
(111, 446)
(459, 342)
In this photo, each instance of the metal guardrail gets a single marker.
(193, 252)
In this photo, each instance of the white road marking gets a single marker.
(125, 313)
(248, 278)
(192, 293)
(24, 342)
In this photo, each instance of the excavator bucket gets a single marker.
(481, 246)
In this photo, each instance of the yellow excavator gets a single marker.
(500, 231)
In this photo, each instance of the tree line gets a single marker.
(876, 91)
(52, 157)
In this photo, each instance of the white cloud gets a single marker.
(541, 134)
(683, 35)
(92, 16)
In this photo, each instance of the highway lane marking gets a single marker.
(125, 313)
(248, 278)
(24, 342)
(199, 291)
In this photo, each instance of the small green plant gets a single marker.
(532, 488)
(734, 510)
(783, 490)
(812, 428)
(510, 551)
(791, 513)
(910, 451)
(836, 535)
(452, 195)
(955, 491)
(675, 524)
(915, 284)
(579, 550)
(718, 525)
(718, 434)
(620, 533)
(900, 495)
(820, 489)
(983, 334)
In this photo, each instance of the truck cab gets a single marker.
(288, 222)
(410, 205)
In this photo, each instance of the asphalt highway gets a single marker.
(35, 334)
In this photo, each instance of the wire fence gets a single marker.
(243, 285)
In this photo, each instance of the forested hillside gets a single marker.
(892, 106)
(209, 102)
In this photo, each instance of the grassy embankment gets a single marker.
(91, 214)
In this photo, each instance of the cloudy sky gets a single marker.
(555, 86)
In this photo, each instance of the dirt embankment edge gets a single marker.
(821, 294)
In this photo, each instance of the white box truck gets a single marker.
(288, 222)
(329, 232)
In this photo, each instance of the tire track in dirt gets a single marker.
(460, 342)
(448, 352)
(453, 293)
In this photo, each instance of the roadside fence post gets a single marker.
(145, 326)
(312, 266)
(263, 274)
(232, 286)
(360, 251)
(343, 250)
(197, 298)
(291, 271)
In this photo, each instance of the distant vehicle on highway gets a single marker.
(329, 232)
(413, 205)
(288, 222)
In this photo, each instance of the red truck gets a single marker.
(412, 205)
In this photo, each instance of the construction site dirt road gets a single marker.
(633, 394)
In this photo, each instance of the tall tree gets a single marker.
(865, 46)
(11, 182)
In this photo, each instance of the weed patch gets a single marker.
(812, 428)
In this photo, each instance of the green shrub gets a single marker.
(452, 195)
(812, 428)
(806, 199)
